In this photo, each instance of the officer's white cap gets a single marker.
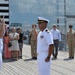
(41, 19)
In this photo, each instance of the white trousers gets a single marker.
(1, 48)
(0, 61)
(43, 67)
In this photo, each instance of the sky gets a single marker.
(27, 11)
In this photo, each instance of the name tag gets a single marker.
(41, 36)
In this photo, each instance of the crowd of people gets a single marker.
(43, 44)
(13, 52)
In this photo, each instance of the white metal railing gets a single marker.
(3, 13)
(4, 8)
(6, 19)
(4, 2)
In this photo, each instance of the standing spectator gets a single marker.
(7, 53)
(15, 46)
(56, 38)
(71, 41)
(2, 29)
(44, 47)
(33, 41)
(20, 41)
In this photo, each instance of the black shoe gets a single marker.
(12, 59)
(16, 59)
(55, 57)
(69, 57)
(20, 57)
(35, 58)
(72, 57)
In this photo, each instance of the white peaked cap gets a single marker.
(43, 19)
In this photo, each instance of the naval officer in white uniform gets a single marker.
(2, 29)
(45, 47)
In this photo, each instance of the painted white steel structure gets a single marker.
(4, 10)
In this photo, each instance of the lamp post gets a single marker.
(57, 12)
(65, 20)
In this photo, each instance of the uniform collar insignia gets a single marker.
(47, 30)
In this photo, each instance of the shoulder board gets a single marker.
(47, 31)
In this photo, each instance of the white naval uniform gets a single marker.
(44, 39)
(1, 48)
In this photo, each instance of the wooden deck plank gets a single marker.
(27, 66)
